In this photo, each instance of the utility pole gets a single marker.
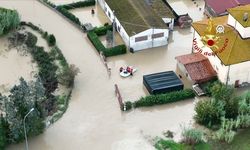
(113, 38)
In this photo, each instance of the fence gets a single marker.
(119, 98)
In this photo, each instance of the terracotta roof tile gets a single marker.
(198, 67)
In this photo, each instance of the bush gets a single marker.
(168, 144)
(128, 105)
(102, 30)
(31, 40)
(69, 15)
(192, 136)
(117, 50)
(45, 35)
(51, 40)
(209, 112)
(79, 4)
(95, 41)
(9, 20)
(47, 70)
(49, 3)
(164, 98)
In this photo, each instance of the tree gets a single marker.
(3, 133)
(51, 40)
(9, 19)
(67, 76)
(17, 105)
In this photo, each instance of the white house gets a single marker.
(230, 58)
(139, 28)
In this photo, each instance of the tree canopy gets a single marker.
(9, 19)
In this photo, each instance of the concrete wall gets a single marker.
(150, 42)
(239, 72)
(244, 32)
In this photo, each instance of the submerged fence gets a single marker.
(119, 97)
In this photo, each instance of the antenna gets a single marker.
(245, 17)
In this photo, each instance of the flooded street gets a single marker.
(93, 120)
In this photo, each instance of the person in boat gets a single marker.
(121, 69)
(128, 69)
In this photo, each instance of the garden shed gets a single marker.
(162, 82)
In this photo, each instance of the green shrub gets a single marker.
(128, 105)
(168, 144)
(95, 41)
(47, 69)
(117, 50)
(164, 98)
(51, 40)
(9, 19)
(192, 136)
(50, 3)
(69, 15)
(102, 30)
(31, 40)
(209, 112)
(45, 35)
(79, 4)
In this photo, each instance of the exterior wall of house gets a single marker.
(244, 32)
(184, 72)
(240, 72)
(149, 39)
(139, 41)
(216, 63)
(111, 17)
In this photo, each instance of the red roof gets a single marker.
(198, 67)
(221, 6)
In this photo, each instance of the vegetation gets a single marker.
(79, 4)
(164, 98)
(93, 37)
(22, 98)
(9, 20)
(51, 40)
(209, 112)
(31, 40)
(69, 15)
(192, 136)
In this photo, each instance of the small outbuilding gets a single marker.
(162, 82)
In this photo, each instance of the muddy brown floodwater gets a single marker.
(93, 120)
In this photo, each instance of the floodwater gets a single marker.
(93, 120)
(13, 65)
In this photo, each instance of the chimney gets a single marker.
(245, 17)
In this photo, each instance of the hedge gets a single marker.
(95, 41)
(164, 98)
(117, 50)
(78, 4)
(68, 14)
(102, 30)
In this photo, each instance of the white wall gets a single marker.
(122, 32)
(240, 72)
(244, 32)
(156, 42)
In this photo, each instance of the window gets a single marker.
(109, 14)
(105, 9)
(157, 35)
(141, 38)
(118, 28)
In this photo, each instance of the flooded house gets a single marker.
(215, 8)
(141, 24)
(225, 42)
